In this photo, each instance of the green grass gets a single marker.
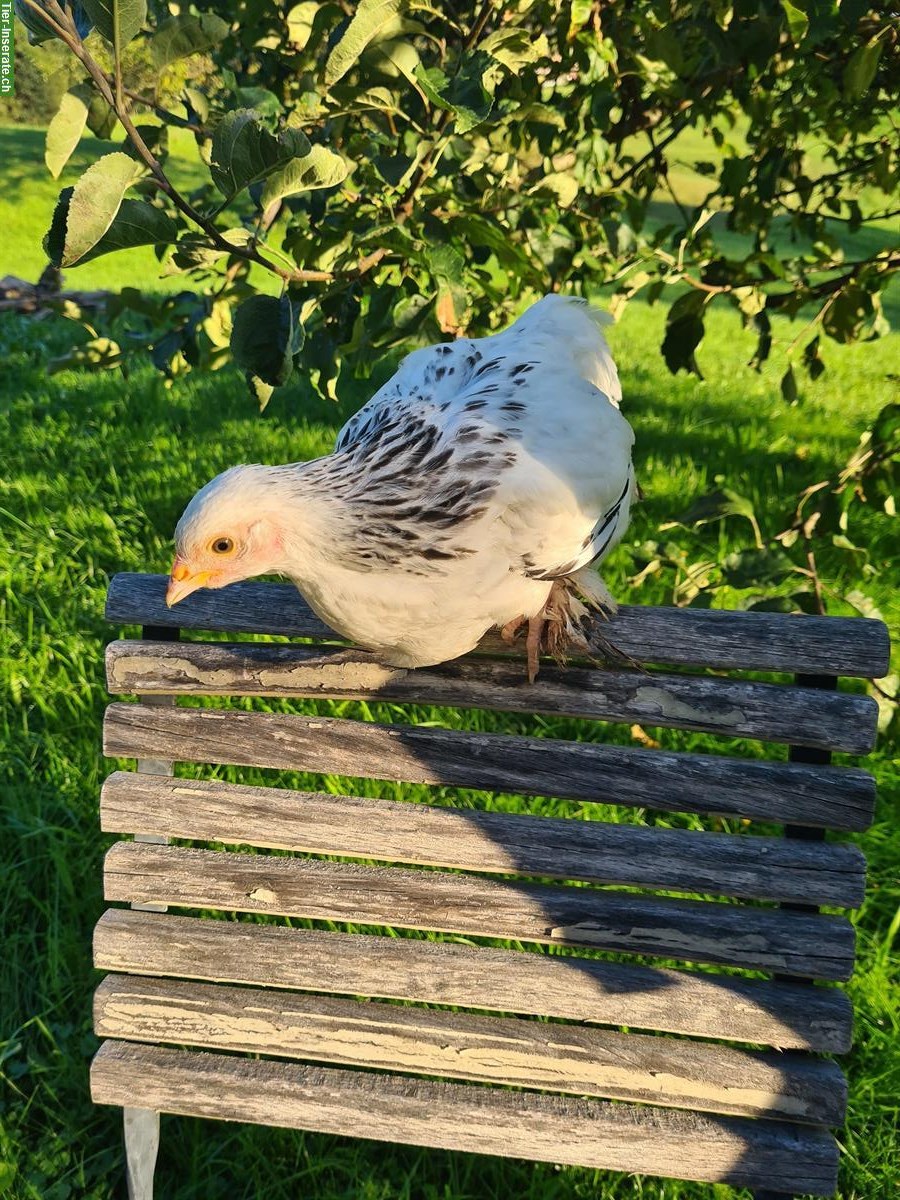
(96, 471)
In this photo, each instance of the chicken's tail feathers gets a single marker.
(573, 323)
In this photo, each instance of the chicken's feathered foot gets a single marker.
(570, 623)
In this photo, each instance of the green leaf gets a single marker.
(367, 21)
(755, 568)
(812, 360)
(155, 138)
(513, 46)
(716, 505)
(261, 100)
(789, 386)
(860, 70)
(40, 31)
(849, 313)
(193, 251)
(299, 21)
(262, 338)
(101, 119)
(468, 97)
(797, 21)
(117, 20)
(65, 130)
(321, 168)
(683, 337)
(562, 184)
(261, 392)
(184, 35)
(84, 213)
(446, 264)
(579, 14)
(99, 354)
(245, 152)
(137, 223)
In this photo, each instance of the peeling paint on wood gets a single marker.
(501, 1050)
(833, 797)
(743, 641)
(782, 1014)
(730, 707)
(621, 1137)
(737, 935)
(756, 868)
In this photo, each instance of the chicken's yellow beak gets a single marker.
(182, 581)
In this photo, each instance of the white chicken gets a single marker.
(473, 491)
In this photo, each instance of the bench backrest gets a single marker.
(358, 861)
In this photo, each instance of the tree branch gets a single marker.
(423, 170)
(65, 29)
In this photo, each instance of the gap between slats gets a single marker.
(671, 636)
(725, 707)
(763, 939)
(756, 868)
(468, 1117)
(830, 797)
(565, 986)
(671, 1072)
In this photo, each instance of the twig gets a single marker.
(170, 118)
(817, 583)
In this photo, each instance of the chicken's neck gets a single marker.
(310, 510)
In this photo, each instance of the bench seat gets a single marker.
(662, 999)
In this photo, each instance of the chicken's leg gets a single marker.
(533, 644)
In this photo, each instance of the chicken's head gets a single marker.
(228, 532)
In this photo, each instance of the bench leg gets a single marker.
(141, 1145)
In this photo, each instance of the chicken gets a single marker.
(473, 491)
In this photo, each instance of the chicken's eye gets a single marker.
(222, 545)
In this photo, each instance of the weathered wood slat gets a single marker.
(465, 1117)
(754, 868)
(786, 1015)
(833, 797)
(671, 1072)
(671, 636)
(760, 938)
(728, 707)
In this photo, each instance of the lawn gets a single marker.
(96, 471)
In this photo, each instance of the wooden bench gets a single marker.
(740, 1091)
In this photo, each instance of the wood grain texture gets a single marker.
(671, 636)
(785, 1015)
(755, 868)
(833, 797)
(513, 1051)
(465, 1117)
(727, 707)
(760, 938)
